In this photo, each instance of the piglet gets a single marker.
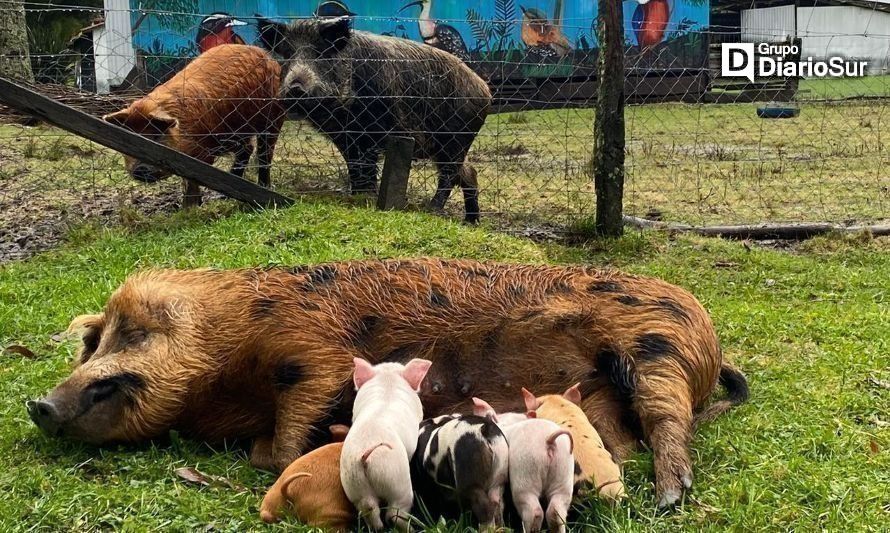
(311, 485)
(595, 462)
(541, 466)
(386, 415)
(465, 459)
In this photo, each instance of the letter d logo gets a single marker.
(737, 60)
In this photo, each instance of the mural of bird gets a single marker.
(649, 22)
(442, 36)
(216, 29)
(543, 37)
(332, 8)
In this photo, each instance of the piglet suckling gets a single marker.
(463, 460)
(310, 489)
(375, 463)
(541, 466)
(595, 463)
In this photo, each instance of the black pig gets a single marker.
(358, 87)
(465, 459)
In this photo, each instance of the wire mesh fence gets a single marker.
(698, 150)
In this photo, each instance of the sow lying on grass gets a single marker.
(268, 353)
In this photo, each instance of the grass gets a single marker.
(836, 88)
(810, 451)
(702, 164)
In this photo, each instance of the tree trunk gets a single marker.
(14, 59)
(608, 151)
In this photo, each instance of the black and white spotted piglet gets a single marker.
(463, 458)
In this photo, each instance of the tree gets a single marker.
(15, 62)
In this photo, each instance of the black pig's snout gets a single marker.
(45, 415)
(145, 174)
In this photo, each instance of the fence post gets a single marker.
(608, 150)
(396, 167)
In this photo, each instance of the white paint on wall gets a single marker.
(113, 45)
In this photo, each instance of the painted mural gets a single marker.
(500, 39)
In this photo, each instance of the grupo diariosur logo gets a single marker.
(738, 60)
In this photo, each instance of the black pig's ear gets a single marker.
(273, 37)
(335, 32)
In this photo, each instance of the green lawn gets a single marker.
(698, 164)
(809, 327)
(835, 88)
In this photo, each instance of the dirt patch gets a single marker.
(31, 227)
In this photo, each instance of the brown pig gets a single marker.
(217, 104)
(595, 464)
(267, 353)
(311, 488)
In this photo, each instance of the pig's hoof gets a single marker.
(669, 498)
(261, 454)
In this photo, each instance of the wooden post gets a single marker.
(396, 168)
(127, 142)
(608, 151)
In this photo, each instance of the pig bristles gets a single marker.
(639, 346)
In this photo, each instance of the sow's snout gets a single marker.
(92, 413)
(45, 414)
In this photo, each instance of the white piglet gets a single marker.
(374, 464)
(541, 467)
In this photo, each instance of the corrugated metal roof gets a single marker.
(733, 6)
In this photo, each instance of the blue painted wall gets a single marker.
(491, 29)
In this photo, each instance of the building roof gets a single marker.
(734, 6)
(83, 39)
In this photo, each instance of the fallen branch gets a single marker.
(758, 231)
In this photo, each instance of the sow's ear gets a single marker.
(273, 37)
(573, 394)
(335, 33)
(531, 403)
(364, 371)
(91, 325)
(415, 371)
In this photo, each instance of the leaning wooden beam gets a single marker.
(127, 142)
(759, 231)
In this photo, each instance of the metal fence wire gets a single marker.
(701, 148)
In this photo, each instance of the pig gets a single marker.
(595, 464)
(215, 105)
(541, 466)
(375, 464)
(357, 88)
(311, 488)
(266, 353)
(464, 457)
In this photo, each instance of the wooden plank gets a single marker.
(759, 231)
(396, 168)
(129, 143)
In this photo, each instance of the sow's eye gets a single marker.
(136, 336)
